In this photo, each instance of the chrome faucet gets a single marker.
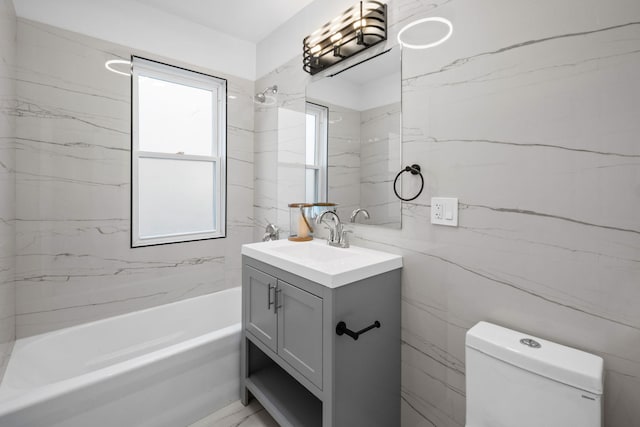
(337, 235)
(355, 213)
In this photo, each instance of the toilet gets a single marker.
(517, 380)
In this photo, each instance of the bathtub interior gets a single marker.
(57, 363)
(82, 349)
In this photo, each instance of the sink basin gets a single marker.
(315, 253)
(321, 263)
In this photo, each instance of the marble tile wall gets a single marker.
(528, 114)
(380, 163)
(363, 160)
(265, 173)
(74, 263)
(344, 159)
(279, 171)
(291, 163)
(279, 166)
(7, 180)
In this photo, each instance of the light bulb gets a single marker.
(359, 23)
(336, 37)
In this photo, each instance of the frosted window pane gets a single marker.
(174, 118)
(175, 197)
(311, 140)
(311, 185)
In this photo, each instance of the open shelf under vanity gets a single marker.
(288, 402)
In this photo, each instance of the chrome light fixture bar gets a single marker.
(358, 28)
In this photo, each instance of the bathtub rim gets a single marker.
(33, 396)
(86, 325)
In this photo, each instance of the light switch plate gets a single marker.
(444, 211)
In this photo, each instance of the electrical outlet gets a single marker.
(444, 211)
(438, 210)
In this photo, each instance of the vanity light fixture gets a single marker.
(358, 28)
(109, 66)
(422, 21)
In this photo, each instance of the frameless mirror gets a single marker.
(357, 114)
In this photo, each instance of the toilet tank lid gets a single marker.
(555, 361)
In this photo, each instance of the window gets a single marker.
(316, 153)
(178, 155)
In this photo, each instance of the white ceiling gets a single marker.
(250, 20)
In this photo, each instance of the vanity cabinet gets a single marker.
(258, 319)
(288, 320)
(300, 369)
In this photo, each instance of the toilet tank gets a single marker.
(514, 379)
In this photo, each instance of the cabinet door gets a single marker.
(260, 316)
(300, 330)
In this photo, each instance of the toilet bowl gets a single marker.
(517, 380)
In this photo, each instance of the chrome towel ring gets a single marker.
(415, 170)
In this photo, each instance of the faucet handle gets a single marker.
(344, 238)
(271, 232)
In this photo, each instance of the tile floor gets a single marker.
(236, 415)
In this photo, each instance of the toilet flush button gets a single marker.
(531, 343)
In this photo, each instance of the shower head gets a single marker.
(271, 89)
(261, 97)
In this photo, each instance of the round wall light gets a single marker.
(110, 63)
(423, 21)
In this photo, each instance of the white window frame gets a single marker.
(157, 70)
(321, 115)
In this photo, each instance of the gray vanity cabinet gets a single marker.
(300, 330)
(300, 369)
(287, 319)
(259, 316)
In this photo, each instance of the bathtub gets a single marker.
(165, 366)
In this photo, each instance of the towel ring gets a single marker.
(415, 170)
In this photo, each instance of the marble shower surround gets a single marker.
(7, 180)
(528, 114)
(74, 263)
(279, 150)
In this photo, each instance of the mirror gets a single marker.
(362, 130)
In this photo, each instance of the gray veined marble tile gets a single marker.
(236, 415)
(74, 263)
(7, 180)
(528, 114)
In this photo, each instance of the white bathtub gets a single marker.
(165, 366)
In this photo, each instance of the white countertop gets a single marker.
(321, 263)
